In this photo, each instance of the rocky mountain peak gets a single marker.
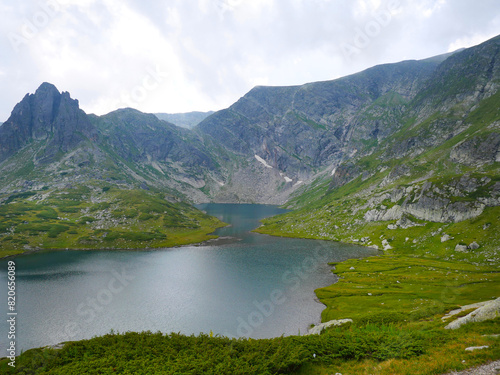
(46, 115)
(46, 89)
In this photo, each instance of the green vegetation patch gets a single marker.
(134, 236)
(19, 196)
(398, 288)
(97, 218)
(48, 214)
(416, 348)
(148, 353)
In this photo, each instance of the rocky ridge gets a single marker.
(437, 172)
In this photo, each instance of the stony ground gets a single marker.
(491, 368)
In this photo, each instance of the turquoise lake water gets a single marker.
(244, 284)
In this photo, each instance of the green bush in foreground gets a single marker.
(366, 342)
(156, 353)
(350, 345)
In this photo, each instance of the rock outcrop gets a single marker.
(444, 203)
(478, 150)
(316, 330)
(47, 116)
(488, 310)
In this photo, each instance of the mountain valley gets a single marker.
(406, 152)
(403, 158)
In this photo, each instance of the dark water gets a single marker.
(247, 285)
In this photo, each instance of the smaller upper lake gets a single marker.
(246, 284)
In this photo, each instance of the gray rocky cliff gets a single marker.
(49, 116)
(448, 203)
(302, 130)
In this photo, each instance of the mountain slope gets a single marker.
(261, 149)
(433, 186)
(301, 130)
(72, 180)
(48, 140)
(158, 153)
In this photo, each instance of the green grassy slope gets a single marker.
(96, 217)
(339, 213)
(427, 266)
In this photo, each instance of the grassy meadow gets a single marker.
(104, 217)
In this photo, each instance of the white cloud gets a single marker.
(428, 8)
(468, 41)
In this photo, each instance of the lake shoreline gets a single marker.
(232, 256)
(194, 243)
(41, 250)
(382, 289)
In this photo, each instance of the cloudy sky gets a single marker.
(184, 55)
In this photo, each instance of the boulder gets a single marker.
(474, 246)
(463, 308)
(472, 348)
(316, 330)
(461, 248)
(446, 237)
(386, 245)
(490, 310)
(406, 223)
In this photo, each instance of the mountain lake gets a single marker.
(243, 284)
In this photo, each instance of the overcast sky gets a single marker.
(184, 55)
